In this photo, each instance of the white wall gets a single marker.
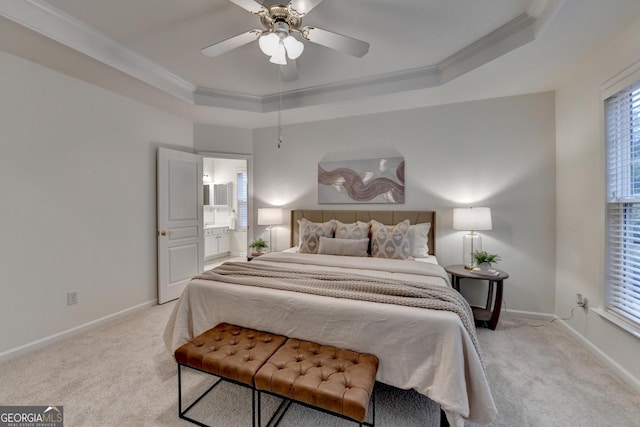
(498, 153)
(581, 196)
(77, 200)
(222, 139)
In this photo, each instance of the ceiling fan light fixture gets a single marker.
(280, 21)
(294, 47)
(280, 57)
(269, 44)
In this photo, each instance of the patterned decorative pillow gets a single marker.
(419, 239)
(356, 230)
(390, 241)
(310, 233)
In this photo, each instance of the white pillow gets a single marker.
(419, 240)
(345, 247)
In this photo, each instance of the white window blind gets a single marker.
(622, 126)
(243, 220)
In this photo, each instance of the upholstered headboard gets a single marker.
(385, 217)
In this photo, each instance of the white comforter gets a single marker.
(426, 350)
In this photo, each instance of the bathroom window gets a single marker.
(241, 177)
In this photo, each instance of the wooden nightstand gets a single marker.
(486, 314)
(254, 255)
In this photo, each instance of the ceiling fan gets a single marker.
(276, 41)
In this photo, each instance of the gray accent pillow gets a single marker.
(390, 241)
(345, 247)
(356, 230)
(310, 233)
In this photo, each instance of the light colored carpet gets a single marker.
(120, 374)
(213, 263)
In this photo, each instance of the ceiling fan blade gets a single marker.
(302, 7)
(289, 72)
(231, 43)
(336, 41)
(250, 5)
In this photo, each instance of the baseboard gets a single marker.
(618, 370)
(624, 375)
(532, 315)
(43, 342)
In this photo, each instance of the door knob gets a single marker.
(164, 233)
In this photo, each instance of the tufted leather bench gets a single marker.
(230, 352)
(337, 381)
(323, 377)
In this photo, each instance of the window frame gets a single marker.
(239, 224)
(618, 200)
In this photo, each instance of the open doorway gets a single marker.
(225, 209)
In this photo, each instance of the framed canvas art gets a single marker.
(362, 181)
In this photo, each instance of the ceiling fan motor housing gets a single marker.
(280, 17)
(281, 28)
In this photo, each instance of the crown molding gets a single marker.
(381, 84)
(515, 33)
(225, 99)
(323, 94)
(51, 22)
(512, 35)
(544, 11)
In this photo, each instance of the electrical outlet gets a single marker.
(582, 302)
(72, 297)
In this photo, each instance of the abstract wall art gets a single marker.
(361, 181)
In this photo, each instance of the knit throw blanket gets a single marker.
(347, 285)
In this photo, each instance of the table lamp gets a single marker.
(270, 217)
(472, 220)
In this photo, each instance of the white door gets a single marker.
(180, 227)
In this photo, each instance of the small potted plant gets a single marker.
(484, 259)
(258, 245)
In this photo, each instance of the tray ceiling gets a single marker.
(415, 46)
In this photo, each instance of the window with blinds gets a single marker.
(622, 126)
(243, 216)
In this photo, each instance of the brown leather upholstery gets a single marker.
(339, 381)
(230, 351)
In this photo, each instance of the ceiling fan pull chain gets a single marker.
(280, 110)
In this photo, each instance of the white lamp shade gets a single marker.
(472, 219)
(280, 57)
(294, 47)
(269, 44)
(269, 216)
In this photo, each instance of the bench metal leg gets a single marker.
(277, 415)
(256, 404)
(253, 408)
(286, 402)
(444, 422)
(183, 413)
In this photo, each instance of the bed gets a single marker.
(430, 350)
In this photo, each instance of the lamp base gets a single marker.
(471, 243)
